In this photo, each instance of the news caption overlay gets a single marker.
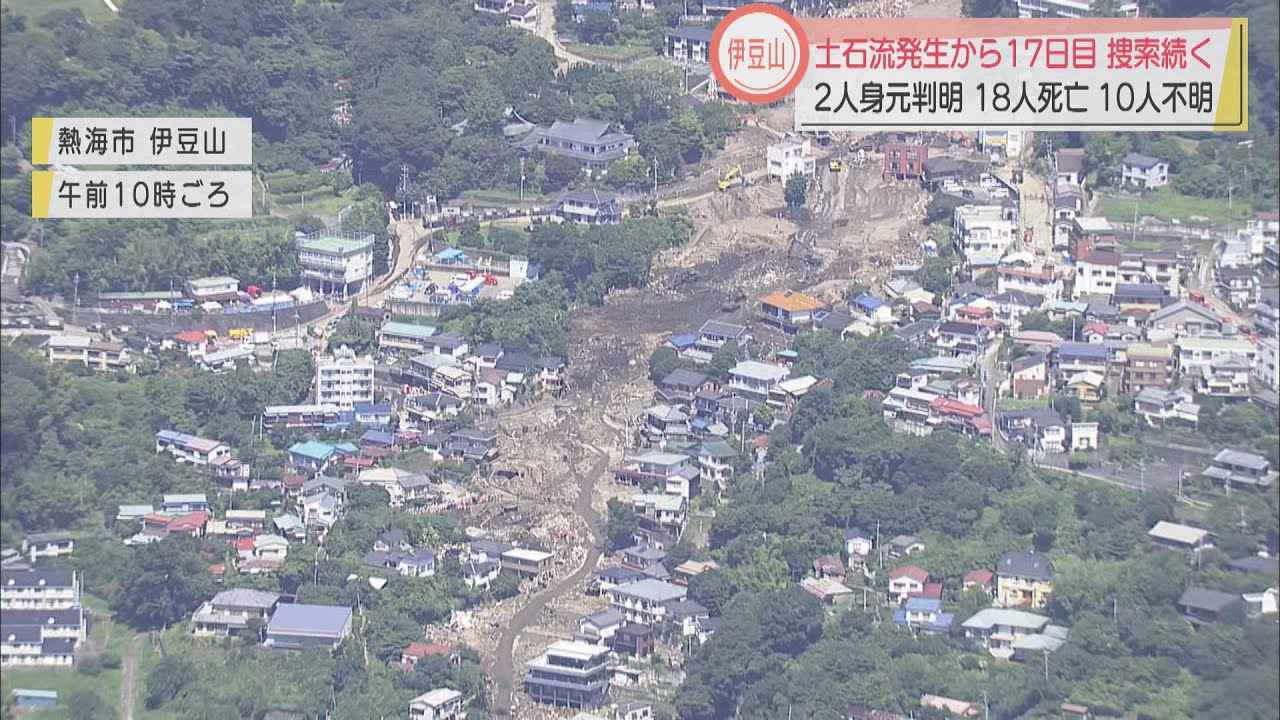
(77, 186)
(1090, 74)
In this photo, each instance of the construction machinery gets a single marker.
(727, 180)
(835, 166)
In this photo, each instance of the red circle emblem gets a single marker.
(759, 53)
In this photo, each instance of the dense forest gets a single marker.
(289, 66)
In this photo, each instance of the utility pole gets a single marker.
(655, 179)
(75, 310)
(522, 179)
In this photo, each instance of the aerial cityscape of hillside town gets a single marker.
(548, 381)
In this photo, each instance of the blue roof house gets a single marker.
(298, 626)
(923, 614)
(311, 455)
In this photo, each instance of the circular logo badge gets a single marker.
(759, 53)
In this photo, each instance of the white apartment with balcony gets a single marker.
(790, 156)
(344, 379)
(335, 263)
(983, 231)
(645, 601)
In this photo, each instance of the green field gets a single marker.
(94, 10)
(1168, 204)
(609, 53)
(501, 198)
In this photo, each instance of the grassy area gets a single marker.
(325, 206)
(113, 638)
(610, 53)
(94, 10)
(501, 198)
(1169, 204)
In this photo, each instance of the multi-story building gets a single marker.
(573, 674)
(47, 545)
(999, 631)
(688, 44)
(756, 379)
(789, 311)
(333, 262)
(1071, 8)
(344, 379)
(231, 612)
(1155, 268)
(1267, 368)
(1148, 365)
(644, 601)
(588, 141)
(1226, 378)
(984, 230)
(93, 354)
(189, 448)
(904, 161)
(1197, 352)
(39, 589)
(790, 156)
(1158, 407)
(41, 617)
(660, 513)
(1043, 281)
(1143, 171)
(305, 416)
(1024, 579)
(589, 207)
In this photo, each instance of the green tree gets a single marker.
(621, 525)
(170, 676)
(662, 362)
(166, 581)
(795, 191)
(86, 704)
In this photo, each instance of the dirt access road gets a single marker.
(503, 670)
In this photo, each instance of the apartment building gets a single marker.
(688, 44)
(93, 354)
(644, 601)
(571, 674)
(344, 379)
(1149, 365)
(790, 156)
(987, 231)
(334, 262)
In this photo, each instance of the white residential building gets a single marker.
(189, 448)
(1070, 8)
(1267, 369)
(438, 704)
(1197, 352)
(645, 601)
(756, 379)
(790, 156)
(335, 263)
(344, 379)
(983, 230)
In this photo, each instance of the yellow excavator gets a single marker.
(727, 181)
(835, 166)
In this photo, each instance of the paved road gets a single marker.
(503, 670)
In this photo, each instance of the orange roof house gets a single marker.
(790, 311)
